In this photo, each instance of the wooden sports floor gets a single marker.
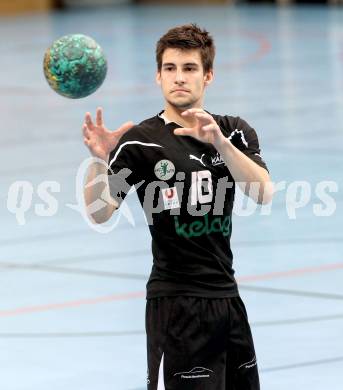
(72, 297)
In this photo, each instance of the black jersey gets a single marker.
(187, 194)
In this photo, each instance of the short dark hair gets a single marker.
(187, 37)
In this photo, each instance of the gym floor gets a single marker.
(72, 297)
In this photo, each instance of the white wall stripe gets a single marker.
(131, 143)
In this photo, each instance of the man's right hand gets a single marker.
(99, 140)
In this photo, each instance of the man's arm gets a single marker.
(99, 202)
(244, 171)
(100, 142)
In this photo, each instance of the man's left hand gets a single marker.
(205, 129)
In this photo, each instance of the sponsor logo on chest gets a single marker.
(217, 159)
(164, 169)
(170, 198)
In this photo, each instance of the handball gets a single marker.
(75, 66)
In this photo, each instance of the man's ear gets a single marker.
(209, 77)
(158, 77)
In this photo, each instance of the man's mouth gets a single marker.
(180, 90)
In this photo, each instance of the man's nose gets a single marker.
(179, 78)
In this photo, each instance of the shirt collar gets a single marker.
(165, 119)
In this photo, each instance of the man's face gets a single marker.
(182, 78)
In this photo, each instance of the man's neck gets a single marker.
(173, 114)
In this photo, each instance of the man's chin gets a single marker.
(182, 104)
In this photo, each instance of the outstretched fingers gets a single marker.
(86, 135)
(85, 131)
(202, 116)
(99, 117)
(192, 111)
(88, 121)
(209, 127)
(183, 131)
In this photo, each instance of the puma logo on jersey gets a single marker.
(192, 157)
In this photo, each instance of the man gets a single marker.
(186, 162)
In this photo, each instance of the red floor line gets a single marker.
(141, 294)
(294, 272)
(264, 47)
(80, 302)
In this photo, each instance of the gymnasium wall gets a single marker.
(12, 7)
(9, 7)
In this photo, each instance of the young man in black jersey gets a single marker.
(187, 162)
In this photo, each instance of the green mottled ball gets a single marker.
(75, 66)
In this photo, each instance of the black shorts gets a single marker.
(199, 344)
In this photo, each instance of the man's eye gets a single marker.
(190, 69)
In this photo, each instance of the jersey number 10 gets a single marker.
(201, 187)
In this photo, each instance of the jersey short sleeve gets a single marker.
(124, 165)
(245, 139)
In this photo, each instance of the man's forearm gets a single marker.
(245, 172)
(99, 202)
